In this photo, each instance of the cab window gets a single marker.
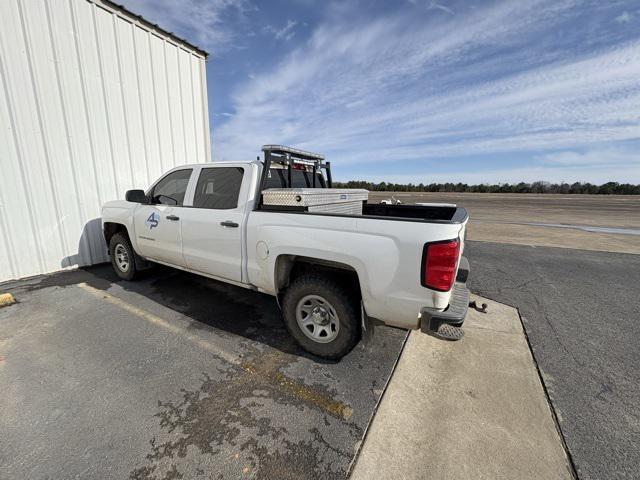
(172, 188)
(218, 188)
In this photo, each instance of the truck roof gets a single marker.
(217, 162)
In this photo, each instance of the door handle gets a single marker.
(173, 218)
(229, 223)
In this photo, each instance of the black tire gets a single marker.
(345, 307)
(118, 244)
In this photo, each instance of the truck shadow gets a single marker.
(207, 304)
(91, 246)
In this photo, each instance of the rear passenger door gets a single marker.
(212, 229)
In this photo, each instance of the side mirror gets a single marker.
(136, 196)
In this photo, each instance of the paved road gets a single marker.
(507, 218)
(597, 210)
(581, 311)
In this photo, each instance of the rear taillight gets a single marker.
(439, 262)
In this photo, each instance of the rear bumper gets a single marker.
(456, 311)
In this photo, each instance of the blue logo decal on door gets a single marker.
(153, 220)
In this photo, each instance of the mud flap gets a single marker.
(366, 324)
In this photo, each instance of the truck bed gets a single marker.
(407, 213)
(445, 214)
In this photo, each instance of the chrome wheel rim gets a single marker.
(122, 258)
(317, 319)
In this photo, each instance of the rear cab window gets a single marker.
(218, 188)
(279, 178)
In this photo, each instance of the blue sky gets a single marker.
(421, 90)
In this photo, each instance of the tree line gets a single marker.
(609, 188)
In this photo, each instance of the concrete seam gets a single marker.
(554, 415)
(375, 409)
(556, 421)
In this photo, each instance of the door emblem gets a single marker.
(153, 220)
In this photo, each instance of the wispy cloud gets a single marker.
(286, 32)
(443, 8)
(206, 23)
(432, 5)
(605, 158)
(487, 81)
(624, 17)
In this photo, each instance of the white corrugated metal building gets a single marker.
(94, 101)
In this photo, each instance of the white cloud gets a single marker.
(606, 158)
(438, 6)
(205, 23)
(287, 32)
(596, 174)
(624, 17)
(396, 89)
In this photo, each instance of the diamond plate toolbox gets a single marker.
(311, 197)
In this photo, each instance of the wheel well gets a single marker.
(289, 267)
(111, 228)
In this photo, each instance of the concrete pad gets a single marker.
(469, 409)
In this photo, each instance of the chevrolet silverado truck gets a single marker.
(336, 263)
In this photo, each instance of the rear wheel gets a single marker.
(320, 316)
(122, 256)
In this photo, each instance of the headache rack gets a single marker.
(290, 159)
(318, 194)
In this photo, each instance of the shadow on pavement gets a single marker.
(285, 413)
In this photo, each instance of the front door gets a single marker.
(158, 225)
(212, 229)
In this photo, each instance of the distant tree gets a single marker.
(609, 188)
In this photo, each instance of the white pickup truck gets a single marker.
(334, 274)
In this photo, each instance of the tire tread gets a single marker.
(349, 333)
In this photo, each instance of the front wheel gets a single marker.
(122, 256)
(321, 317)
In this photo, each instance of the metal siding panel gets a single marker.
(32, 172)
(52, 121)
(94, 98)
(13, 202)
(74, 225)
(79, 142)
(7, 266)
(175, 107)
(91, 104)
(112, 96)
(165, 130)
(205, 111)
(198, 117)
(187, 106)
(131, 103)
(146, 103)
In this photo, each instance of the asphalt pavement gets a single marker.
(174, 376)
(581, 313)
